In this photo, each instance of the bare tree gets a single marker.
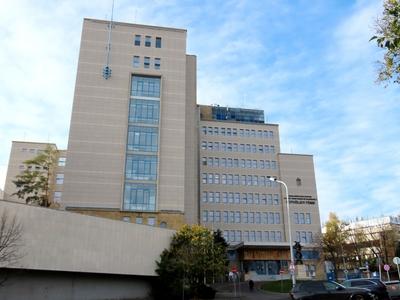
(10, 239)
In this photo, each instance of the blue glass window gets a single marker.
(142, 139)
(141, 167)
(140, 197)
(144, 111)
(145, 86)
(158, 42)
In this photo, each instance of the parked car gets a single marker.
(393, 288)
(376, 286)
(328, 290)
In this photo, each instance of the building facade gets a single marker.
(131, 152)
(141, 150)
(239, 152)
(22, 151)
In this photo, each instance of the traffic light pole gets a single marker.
(292, 265)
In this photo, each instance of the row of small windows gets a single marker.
(59, 178)
(234, 147)
(237, 217)
(237, 132)
(38, 151)
(148, 40)
(302, 218)
(240, 198)
(304, 237)
(235, 179)
(252, 236)
(147, 62)
(238, 163)
(61, 163)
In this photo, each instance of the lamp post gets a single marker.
(289, 229)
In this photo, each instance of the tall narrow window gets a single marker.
(157, 63)
(137, 40)
(146, 62)
(158, 42)
(136, 61)
(147, 41)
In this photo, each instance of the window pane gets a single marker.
(158, 42)
(144, 111)
(145, 86)
(141, 167)
(142, 139)
(140, 197)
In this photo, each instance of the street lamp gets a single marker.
(289, 229)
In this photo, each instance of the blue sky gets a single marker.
(308, 64)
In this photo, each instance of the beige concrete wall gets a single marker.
(192, 144)
(65, 241)
(94, 175)
(303, 197)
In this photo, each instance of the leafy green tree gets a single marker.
(195, 254)
(34, 183)
(388, 38)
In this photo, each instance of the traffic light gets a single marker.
(106, 72)
(297, 253)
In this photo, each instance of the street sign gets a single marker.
(234, 269)
(386, 267)
(281, 271)
(396, 260)
(292, 267)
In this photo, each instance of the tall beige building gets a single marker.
(239, 152)
(132, 141)
(142, 151)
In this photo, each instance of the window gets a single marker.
(231, 217)
(308, 218)
(245, 217)
(210, 178)
(158, 42)
(225, 217)
(301, 218)
(126, 219)
(59, 178)
(146, 62)
(258, 236)
(205, 216)
(216, 178)
(251, 217)
(141, 167)
(211, 197)
(136, 61)
(278, 236)
(147, 41)
(258, 218)
(271, 218)
(157, 63)
(143, 139)
(62, 161)
(277, 218)
(137, 40)
(296, 218)
(57, 196)
(276, 199)
(246, 236)
(204, 197)
(139, 220)
(217, 197)
(217, 217)
(144, 111)
(224, 197)
(141, 197)
(151, 221)
(163, 224)
(143, 86)
(238, 236)
(211, 216)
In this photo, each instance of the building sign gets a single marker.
(300, 199)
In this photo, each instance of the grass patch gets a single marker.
(278, 286)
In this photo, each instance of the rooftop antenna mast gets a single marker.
(107, 69)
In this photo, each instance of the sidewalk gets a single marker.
(226, 292)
